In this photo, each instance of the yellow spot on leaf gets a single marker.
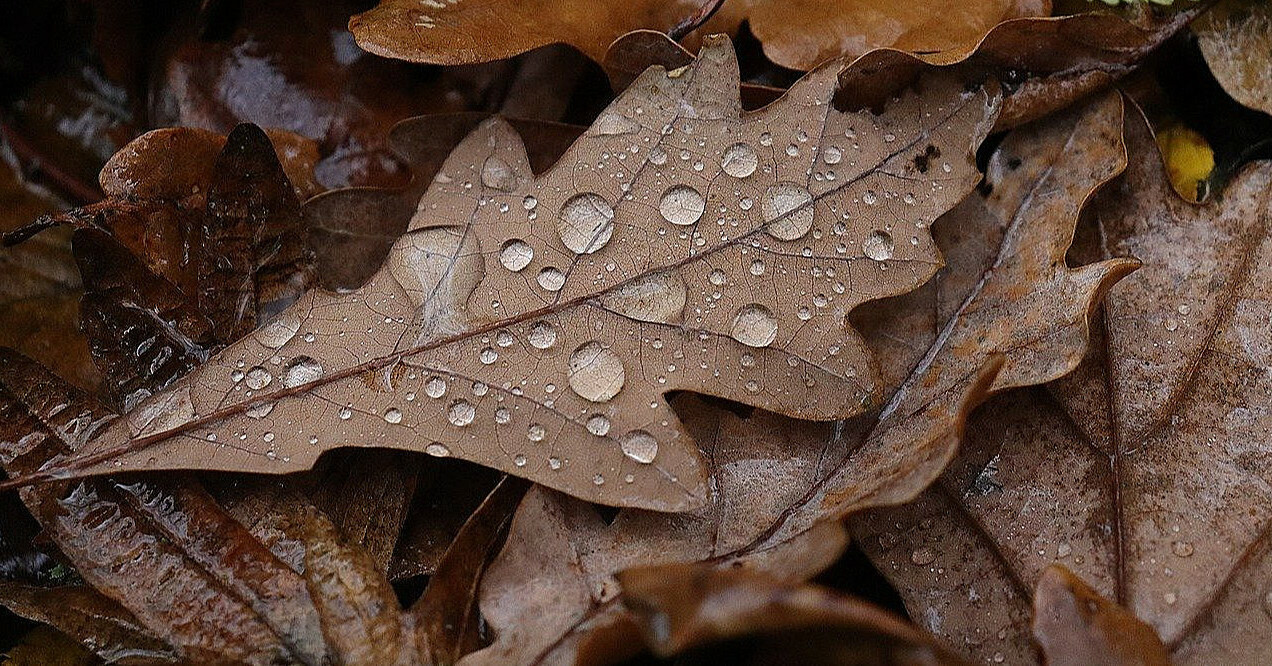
(1189, 160)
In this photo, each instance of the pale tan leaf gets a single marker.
(533, 324)
(1235, 37)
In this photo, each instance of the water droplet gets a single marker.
(878, 245)
(657, 297)
(301, 370)
(682, 204)
(529, 202)
(923, 556)
(504, 338)
(516, 254)
(461, 413)
(614, 124)
(1171, 324)
(435, 387)
(598, 424)
(437, 449)
(754, 325)
(1182, 548)
(536, 432)
(766, 139)
(718, 278)
(586, 223)
(488, 355)
(345, 413)
(498, 174)
(542, 335)
(599, 480)
(554, 462)
(393, 415)
(260, 410)
(258, 378)
(267, 436)
(739, 160)
(787, 211)
(596, 373)
(502, 415)
(551, 278)
(639, 446)
(1183, 309)
(519, 460)
(278, 332)
(757, 267)
(832, 155)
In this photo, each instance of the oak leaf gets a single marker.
(1008, 301)
(1235, 37)
(1145, 470)
(687, 247)
(799, 34)
(1074, 625)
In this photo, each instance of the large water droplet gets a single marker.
(878, 245)
(516, 254)
(682, 204)
(754, 325)
(542, 335)
(498, 174)
(787, 211)
(598, 424)
(461, 413)
(278, 332)
(435, 387)
(301, 370)
(586, 223)
(639, 446)
(739, 160)
(437, 449)
(258, 378)
(657, 297)
(551, 278)
(260, 410)
(596, 373)
(393, 415)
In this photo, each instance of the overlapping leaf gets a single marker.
(1009, 313)
(534, 324)
(1144, 472)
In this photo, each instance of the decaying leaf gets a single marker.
(798, 34)
(1145, 471)
(93, 619)
(1235, 37)
(1011, 304)
(700, 612)
(534, 324)
(1075, 626)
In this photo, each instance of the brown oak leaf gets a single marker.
(1075, 626)
(1235, 37)
(1144, 471)
(1007, 301)
(534, 324)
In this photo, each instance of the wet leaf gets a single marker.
(85, 614)
(545, 352)
(1009, 312)
(1144, 471)
(708, 615)
(797, 34)
(1075, 625)
(1235, 37)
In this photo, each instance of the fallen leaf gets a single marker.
(1008, 312)
(699, 613)
(1113, 471)
(1075, 626)
(83, 613)
(798, 34)
(1235, 37)
(474, 329)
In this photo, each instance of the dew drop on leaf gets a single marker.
(437, 449)
(258, 378)
(301, 370)
(596, 373)
(551, 278)
(598, 424)
(516, 255)
(754, 325)
(878, 245)
(497, 174)
(739, 160)
(586, 223)
(639, 446)
(536, 432)
(786, 211)
(542, 335)
(393, 415)
(461, 413)
(435, 387)
(682, 205)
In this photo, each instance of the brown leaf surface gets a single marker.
(82, 612)
(1075, 626)
(492, 334)
(690, 609)
(1143, 472)
(1235, 37)
(799, 34)
(1008, 301)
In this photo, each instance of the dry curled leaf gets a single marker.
(799, 34)
(1235, 37)
(700, 612)
(1145, 471)
(546, 352)
(1008, 301)
(1075, 626)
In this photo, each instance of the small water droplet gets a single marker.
(551, 278)
(923, 556)
(754, 325)
(878, 245)
(435, 387)
(258, 378)
(718, 278)
(757, 267)
(393, 415)
(739, 160)
(519, 460)
(596, 372)
(498, 174)
(488, 355)
(536, 432)
(504, 338)
(461, 413)
(682, 205)
(599, 480)
(832, 155)
(542, 335)
(598, 424)
(503, 415)
(586, 223)
(639, 446)
(345, 413)
(516, 254)
(267, 436)
(529, 202)
(554, 462)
